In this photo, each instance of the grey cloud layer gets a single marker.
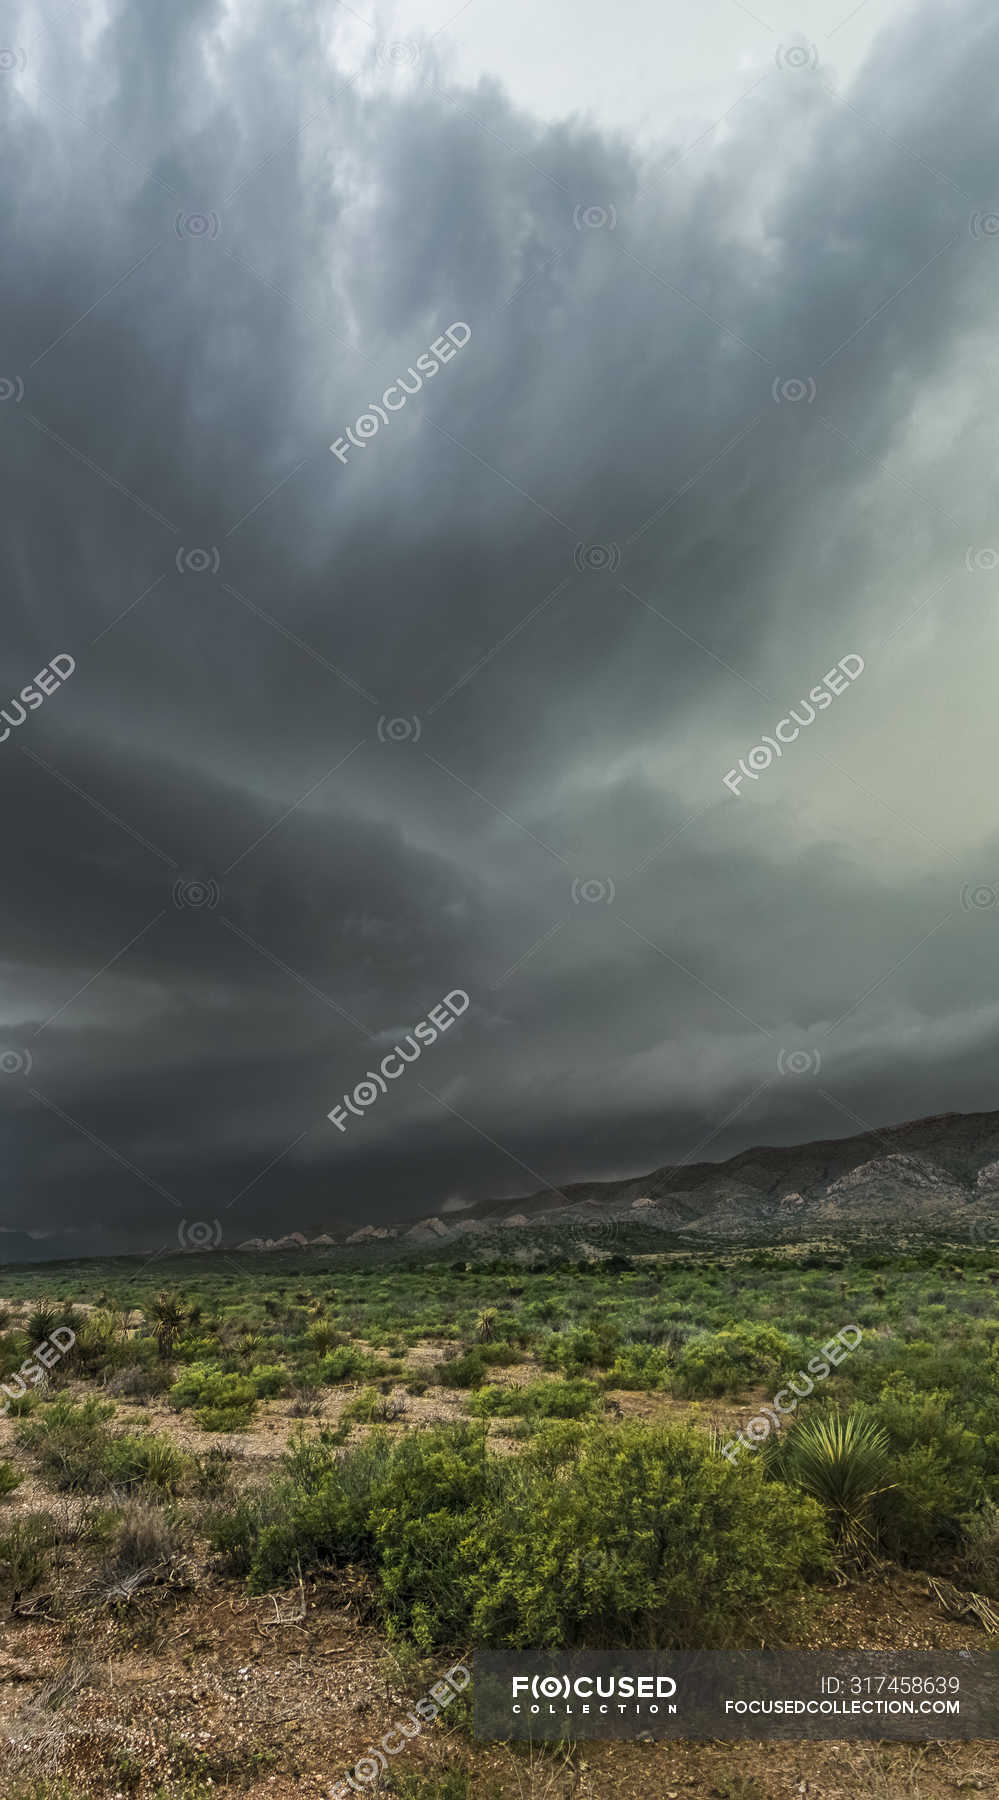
(226, 235)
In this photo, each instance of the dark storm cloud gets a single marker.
(226, 872)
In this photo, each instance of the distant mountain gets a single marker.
(939, 1174)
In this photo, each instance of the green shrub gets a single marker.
(137, 1381)
(621, 1535)
(731, 1360)
(576, 1351)
(596, 1534)
(466, 1371)
(347, 1363)
(10, 1478)
(145, 1460)
(70, 1442)
(640, 1366)
(213, 1472)
(539, 1400)
(943, 1469)
(269, 1379)
(363, 1408)
(77, 1450)
(22, 1404)
(979, 1563)
(318, 1526)
(222, 1401)
(227, 1416)
(24, 1548)
(233, 1532)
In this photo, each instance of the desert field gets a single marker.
(254, 1511)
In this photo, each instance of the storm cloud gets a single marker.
(455, 710)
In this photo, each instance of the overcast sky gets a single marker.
(452, 707)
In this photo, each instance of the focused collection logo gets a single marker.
(595, 1693)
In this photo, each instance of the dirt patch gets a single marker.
(280, 1696)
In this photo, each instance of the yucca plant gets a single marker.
(94, 1340)
(485, 1325)
(168, 1314)
(148, 1460)
(843, 1460)
(323, 1336)
(43, 1319)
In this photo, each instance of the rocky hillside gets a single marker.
(937, 1174)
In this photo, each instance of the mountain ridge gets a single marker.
(939, 1173)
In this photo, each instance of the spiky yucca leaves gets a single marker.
(485, 1324)
(45, 1315)
(844, 1461)
(168, 1318)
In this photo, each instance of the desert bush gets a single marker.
(20, 1405)
(639, 1366)
(145, 1460)
(144, 1539)
(315, 1515)
(221, 1401)
(10, 1478)
(600, 1534)
(539, 1400)
(77, 1451)
(731, 1360)
(213, 1472)
(618, 1535)
(979, 1558)
(463, 1371)
(233, 1529)
(69, 1441)
(138, 1381)
(323, 1336)
(270, 1379)
(576, 1351)
(347, 1363)
(362, 1408)
(945, 1466)
(226, 1417)
(24, 1553)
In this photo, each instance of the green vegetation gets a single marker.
(77, 1450)
(845, 1463)
(602, 1535)
(541, 1511)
